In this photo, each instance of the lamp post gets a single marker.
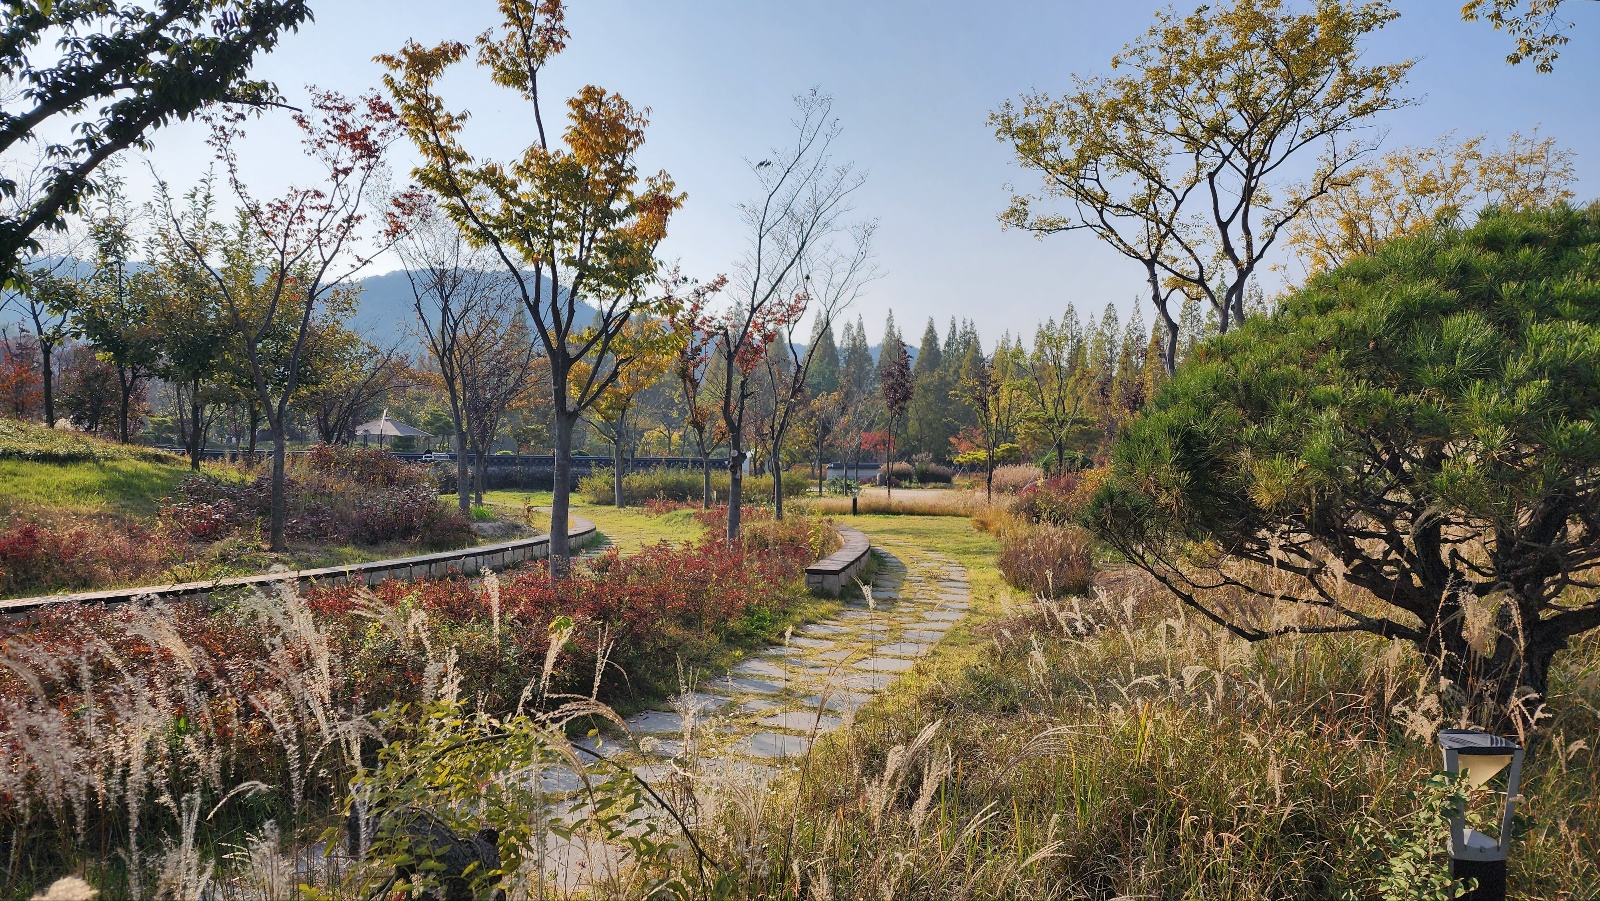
(1478, 757)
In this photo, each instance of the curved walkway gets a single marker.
(749, 725)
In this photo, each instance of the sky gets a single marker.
(913, 85)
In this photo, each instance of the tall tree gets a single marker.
(1182, 164)
(899, 387)
(824, 375)
(833, 278)
(654, 349)
(495, 374)
(44, 299)
(459, 301)
(990, 385)
(1538, 26)
(1415, 188)
(692, 366)
(141, 65)
(1051, 381)
(802, 198)
(926, 421)
(572, 222)
(116, 310)
(287, 257)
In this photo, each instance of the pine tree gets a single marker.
(824, 375)
(926, 429)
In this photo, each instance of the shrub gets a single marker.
(1013, 477)
(78, 553)
(359, 496)
(1059, 500)
(685, 485)
(1047, 560)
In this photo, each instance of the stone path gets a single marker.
(765, 712)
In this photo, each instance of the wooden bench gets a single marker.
(832, 573)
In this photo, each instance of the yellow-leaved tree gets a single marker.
(1414, 188)
(650, 349)
(572, 221)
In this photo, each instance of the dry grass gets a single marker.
(1115, 746)
(904, 502)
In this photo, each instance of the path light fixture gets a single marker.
(1477, 757)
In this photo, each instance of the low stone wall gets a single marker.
(470, 560)
(832, 573)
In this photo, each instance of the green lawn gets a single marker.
(629, 528)
(133, 487)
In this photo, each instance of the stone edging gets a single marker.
(469, 560)
(830, 574)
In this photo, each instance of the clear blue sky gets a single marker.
(913, 83)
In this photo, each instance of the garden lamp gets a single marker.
(1477, 757)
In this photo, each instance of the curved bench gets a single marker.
(832, 573)
(468, 560)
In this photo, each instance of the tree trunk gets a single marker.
(561, 496)
(126, 385)
(480, 472)
(888, 462)
(280, 505)
(255, 426)
(196, 441)
(777, 478)
(736, 458)
(47, 373)
(822, 471)
(463, 486)
(1061, 459)
(988, 478)
(616, 471)
(705, 476)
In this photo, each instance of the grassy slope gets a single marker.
(133, 487)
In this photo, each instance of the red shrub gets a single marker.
(75, 554)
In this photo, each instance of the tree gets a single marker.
(1415, 188)
(990, 385)
(802, 197)
(1536, 25)
(45, 299)
(1051, 383)
(696, 345)
(653, 346)
(288, 259)
(191, 331)
(579, 217)
(495, 373)
(143, 66)
(352, 378)
(1404, 449)
(1181, 163)
(460, 303)
(833, 279)
(20, 384)
(116, 310)
(894, 373)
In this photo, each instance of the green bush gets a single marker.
(682, 485)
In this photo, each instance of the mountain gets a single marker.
(386, 313)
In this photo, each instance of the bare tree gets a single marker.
(802, 199)
(458, 298)
(833, 279)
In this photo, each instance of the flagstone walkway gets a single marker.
(766, 711)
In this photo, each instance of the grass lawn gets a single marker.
(134, 487)
(629, 528)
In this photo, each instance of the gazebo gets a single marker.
(383, 428)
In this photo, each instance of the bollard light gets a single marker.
(1477, 757)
